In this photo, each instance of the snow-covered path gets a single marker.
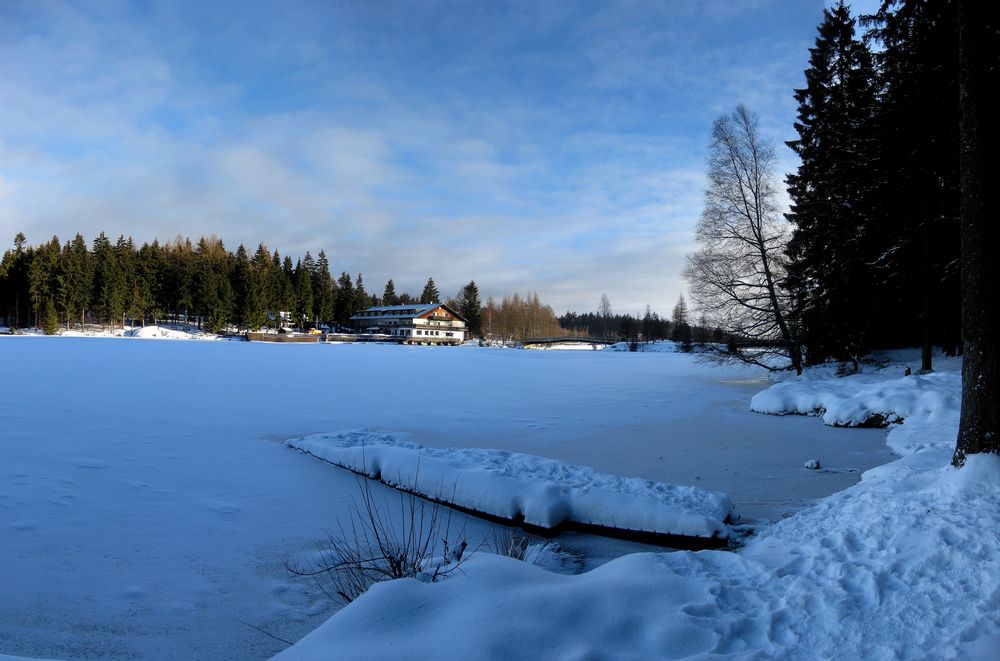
(147, 503)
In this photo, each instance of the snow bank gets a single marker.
(662, 346)
(929, 404)
(162, 333)
(894, 569)
(525, 488)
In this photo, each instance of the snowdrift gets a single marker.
(889, 569)
(543, 495)
(927, 404)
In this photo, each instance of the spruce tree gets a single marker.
(42, 274)
(14, 299)
(470, 307)
(323, 290)
(835, 245)
(288, 302)
(361, 298)
(430, 293)
(103, 256)
(389, 297)
(258, 293)
(50, 318)
(243, 288)
(917, 128)
(345, 300)
(303, 292)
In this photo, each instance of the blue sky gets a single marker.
(549, 146)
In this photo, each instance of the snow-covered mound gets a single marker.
(662, 346)
(522, 487)
(927, 402)
(900, 568)
(161, 333)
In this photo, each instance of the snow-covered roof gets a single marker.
(412, 310)
(422, 307)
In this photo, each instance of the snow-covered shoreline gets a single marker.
(902, 565)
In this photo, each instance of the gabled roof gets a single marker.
(419, 307)
(419, 310)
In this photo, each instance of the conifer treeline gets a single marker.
(203, 283)
(875, 247)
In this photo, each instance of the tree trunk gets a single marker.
(979, 62)
(925, 299)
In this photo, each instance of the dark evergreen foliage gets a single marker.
(389, 295)
(470, 307)
(836, 245)
(112, 284)
(874, 256)
(430, 293)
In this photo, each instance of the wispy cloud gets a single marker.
(542, 146)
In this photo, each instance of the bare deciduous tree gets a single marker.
(605, 311)
(736, 274)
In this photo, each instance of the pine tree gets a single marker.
(835, 242)
(470, 307)
(430, 293)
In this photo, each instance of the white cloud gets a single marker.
(111, 125)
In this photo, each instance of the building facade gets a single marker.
(433, 323)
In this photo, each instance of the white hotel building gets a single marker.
(433, 323)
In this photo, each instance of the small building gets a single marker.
(432, 323)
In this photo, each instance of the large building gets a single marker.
(433, 323)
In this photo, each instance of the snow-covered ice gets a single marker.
(521, 487)
(147, 503)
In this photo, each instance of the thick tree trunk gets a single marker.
(979, 58)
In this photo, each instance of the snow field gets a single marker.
(148, 504)
(516, 486)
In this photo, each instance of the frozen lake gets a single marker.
(147, 503)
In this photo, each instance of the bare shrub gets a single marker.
(519, 545)
(382, 542)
